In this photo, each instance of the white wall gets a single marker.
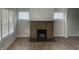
(60, 28)
(23, 29)
(73, 21)
(23, 26)
(41, 14)
(8, 40)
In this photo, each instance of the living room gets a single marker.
(38, 28)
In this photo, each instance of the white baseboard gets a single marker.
(23, 36)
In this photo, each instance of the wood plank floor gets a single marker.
(60, 44)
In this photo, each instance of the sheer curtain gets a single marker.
(4, 22)
(11, 21)
(0, 24)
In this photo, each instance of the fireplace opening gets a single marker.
(41, 35)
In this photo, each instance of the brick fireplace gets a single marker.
(41, 30)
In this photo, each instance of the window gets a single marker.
(4, 22)
(23, 15)
(0, 26)
(11, 21)
(58, 15)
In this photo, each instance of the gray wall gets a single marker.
(8, 40)
(73, 21)
(23, 26)
(41, 14)
(36, 14)
(60, 25)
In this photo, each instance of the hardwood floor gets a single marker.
(60, 44)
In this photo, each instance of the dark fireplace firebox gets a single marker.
(41, 35)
